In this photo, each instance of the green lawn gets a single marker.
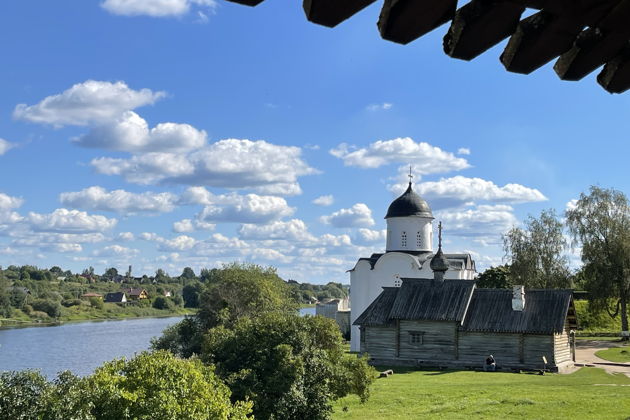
(615, 354)
(589, 393)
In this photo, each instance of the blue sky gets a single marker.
(181, 133)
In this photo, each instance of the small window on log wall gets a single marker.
(416, 338)
(404, 239)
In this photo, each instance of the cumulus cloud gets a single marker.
(294, 229)
(324, 200)
(126, 236)
(379, 107)
(358, 215)
(179, 243)
(463, 151)
(69, 221)
(8, 203)
(481, 221)
(130, 133)
(426, 159)
(115, 251)
(458, 190)
(86, 103)
(5, 146)
(189, 225)
(154, 8)
(369, 235)
(231, 163)
(249, 208)
(119, 201)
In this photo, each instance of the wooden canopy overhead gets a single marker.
(582, 34)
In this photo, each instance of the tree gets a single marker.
(600, 223)
(159, 386)
(536, 253)
(188, 274)
(495, 278)
(110, 273)
(161, 276)
(243, 290)
(190, 294)
(162, 302)
(291, 367)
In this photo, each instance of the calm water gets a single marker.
(78, 347)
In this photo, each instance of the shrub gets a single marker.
(161, 302)
(53, 309)
(71, 302)
(96, 303)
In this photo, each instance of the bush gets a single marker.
(96, 303)
(71, 302)
(162, 302)
(27, 309)
(53, 309)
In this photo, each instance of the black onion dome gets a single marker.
(439, 262)
(409, 204)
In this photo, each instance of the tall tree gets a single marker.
(495, 278)
(600, 223)
(536, 253)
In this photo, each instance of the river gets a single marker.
(82, 346)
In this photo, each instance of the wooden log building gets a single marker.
(452, 323)
(582, 35)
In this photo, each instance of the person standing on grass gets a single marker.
(490, 365)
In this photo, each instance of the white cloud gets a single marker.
(189, 225)
(249, 208)
(379, 107)
(130, 133)
(87, 103)
(324, 200)
(426, 159)
(358, 215)
(269, 255)
(8, 203)
(126, 236)
(179, 243)
(571, 204)
(458, 190)
(231, 163)
(369, 235)
(69, 221)
(5, 146)
(463, 151)
(294, 229)
(489, 221)
(120, 201)
(154, 8)
(115, 251)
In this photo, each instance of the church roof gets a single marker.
(478, 310)
(409, 204)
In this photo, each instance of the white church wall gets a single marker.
(418, 234)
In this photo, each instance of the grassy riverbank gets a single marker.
(586, 394)
(87, 313)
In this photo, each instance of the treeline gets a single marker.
(245, 353)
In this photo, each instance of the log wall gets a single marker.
(438, 340)
(380, 342)
(475, 347)
(562, 347)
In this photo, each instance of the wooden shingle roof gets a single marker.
(377, 314)
(428, 299)
(582, 34)
(545, 311)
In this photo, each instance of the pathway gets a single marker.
(585, 354)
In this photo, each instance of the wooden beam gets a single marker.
(480, 25)
(615, 77)
(248, 2)
(403, 21)
(331, 13)
(596, 45)
(539, 39)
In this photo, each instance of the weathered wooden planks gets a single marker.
(403, 21)
(480, 25)
(615, 77)
(331, 13)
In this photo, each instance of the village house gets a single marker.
(136, 294)
(92, 295)
(115, 297)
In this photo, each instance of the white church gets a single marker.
(408, 254)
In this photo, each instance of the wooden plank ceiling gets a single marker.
(582, 35)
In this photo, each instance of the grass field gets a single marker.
(615, 354)
(589, 393)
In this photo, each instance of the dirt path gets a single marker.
(585, 354)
